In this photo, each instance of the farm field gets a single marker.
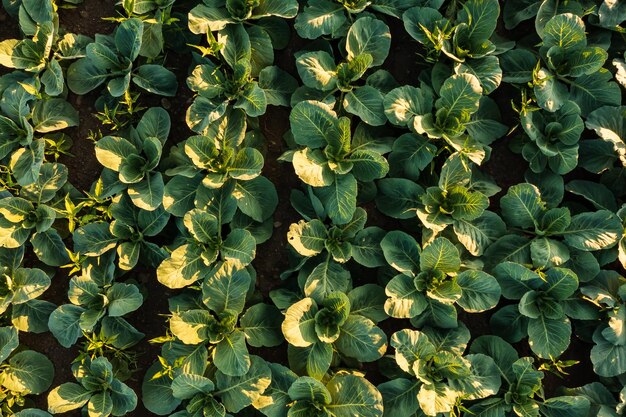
(313, 208)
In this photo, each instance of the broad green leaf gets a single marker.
(281, 8)
(306, 388)
(398, 197)
(339, 198)
(128, 38)
(522, 206)
(368, 301)
(552, 8)
(608, 123)
(320, 17)
(237, 392)
(53, 114)
(155, 123)
(231, 355)
(411, 346)
(567, 31)
(361, 339)
(256, 198)
(508, 248)
(262, 51)
(595, 90)
(299, 324)
(190, 326)
(83, 76)
(94, 239)
(465, 205)
(441, 315)
(481, 291)
(367, 103)
(401, 252)
(486, 69)
(314, 360)
(484, 380)
(275, 399)
(596, 193)
(476, 235)
(307, 238)
(509, 324)
(455, 172)
(156, 79)
(516, 12)
(421, 22)
(28, 372)
(313, 124)
(607, 358)
(399, 396)
(103, 55)
(66, 397)
(404, 103)
(262, 325)
(366, 248)
(587, 61)
(237, 45)
(317, 70)
(247, 164)
(186, 386)
(111, 151)
(503, 354)
(547, 337)
(574, 406)
(123, 398)
(28, 284)
(517, 65)
(546, 252)
(184, 267)
(252, 100)
(49, 248)
(411, 155)
(26, 163)
(203, 19)
(369, 36)
(592, 231)
(353, 395)
(515, 279)
(64, 324)
(551, 94)
(157, 391)
(405, 301)
(278, 85)
(561, 283)
(311, 166)
(147, 194)
(226, 289)
(239, 248)
(481, 17)
(440, 255)
(123, 299)
(326, 278)
(52, 177)
(368, 165)
(8, 341)
(460, 94)
(100, 404)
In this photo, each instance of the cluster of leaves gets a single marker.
(47, 224)
(386, 301)
(539, 260)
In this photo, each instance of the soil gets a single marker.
(504, 166)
